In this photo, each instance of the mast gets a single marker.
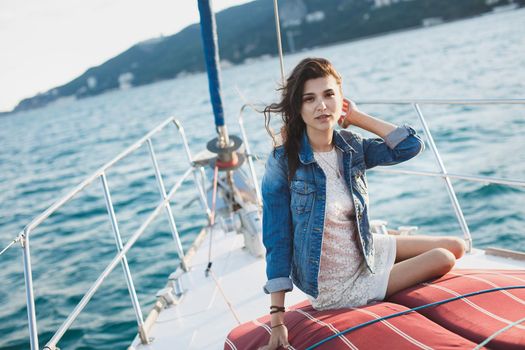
(224, 145)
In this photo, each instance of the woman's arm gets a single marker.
(277, 238)
(397, 143)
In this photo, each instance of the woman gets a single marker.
(315, 203)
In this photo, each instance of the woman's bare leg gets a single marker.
(410, 246)
(420, 258)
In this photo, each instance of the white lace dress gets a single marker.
(344, 280)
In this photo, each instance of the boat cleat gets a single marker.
(174, 280)
(167, 295)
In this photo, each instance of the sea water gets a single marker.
(46, 152)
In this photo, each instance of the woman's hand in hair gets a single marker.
(349, 107)
(279, 337)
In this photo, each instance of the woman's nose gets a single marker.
(322, 105)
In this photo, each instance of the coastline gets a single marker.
(250, 60)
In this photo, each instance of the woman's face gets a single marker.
(322, 104)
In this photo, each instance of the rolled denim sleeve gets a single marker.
(399, 145)
(277, 226)
(396, 136)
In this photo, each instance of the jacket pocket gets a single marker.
(302, 196)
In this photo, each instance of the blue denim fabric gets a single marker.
(294, 212)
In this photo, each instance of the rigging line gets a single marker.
(444, 301)
(225, 297)
(498, 332)
(212, 214)
(17, 239)
(246, 102)
(209, 271)
(279, 42)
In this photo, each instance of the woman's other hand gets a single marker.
(278, 337)
(349, 107)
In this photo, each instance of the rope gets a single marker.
(17, 239)
(225, 298)
(444, 301)
(495, 334)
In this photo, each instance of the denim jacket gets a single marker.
(294, 212)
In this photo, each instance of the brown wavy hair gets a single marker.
(290, 107)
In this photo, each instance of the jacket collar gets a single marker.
(306, 154)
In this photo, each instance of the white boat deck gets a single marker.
(202, 318)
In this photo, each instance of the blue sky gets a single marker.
(44, 44)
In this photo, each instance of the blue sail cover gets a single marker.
(211, 55)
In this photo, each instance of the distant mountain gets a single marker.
(247, 31)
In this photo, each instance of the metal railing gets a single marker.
(122, 250)
(249, 155)
(444, 174)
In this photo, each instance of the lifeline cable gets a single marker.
(444, 301)
(17, 239)
(498, 332)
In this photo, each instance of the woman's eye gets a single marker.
(308, 99)
(331, 93)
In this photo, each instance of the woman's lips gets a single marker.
(323, 117)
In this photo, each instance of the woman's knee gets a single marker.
(444, 260)
(454, 245)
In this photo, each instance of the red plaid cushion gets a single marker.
(477, 317)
